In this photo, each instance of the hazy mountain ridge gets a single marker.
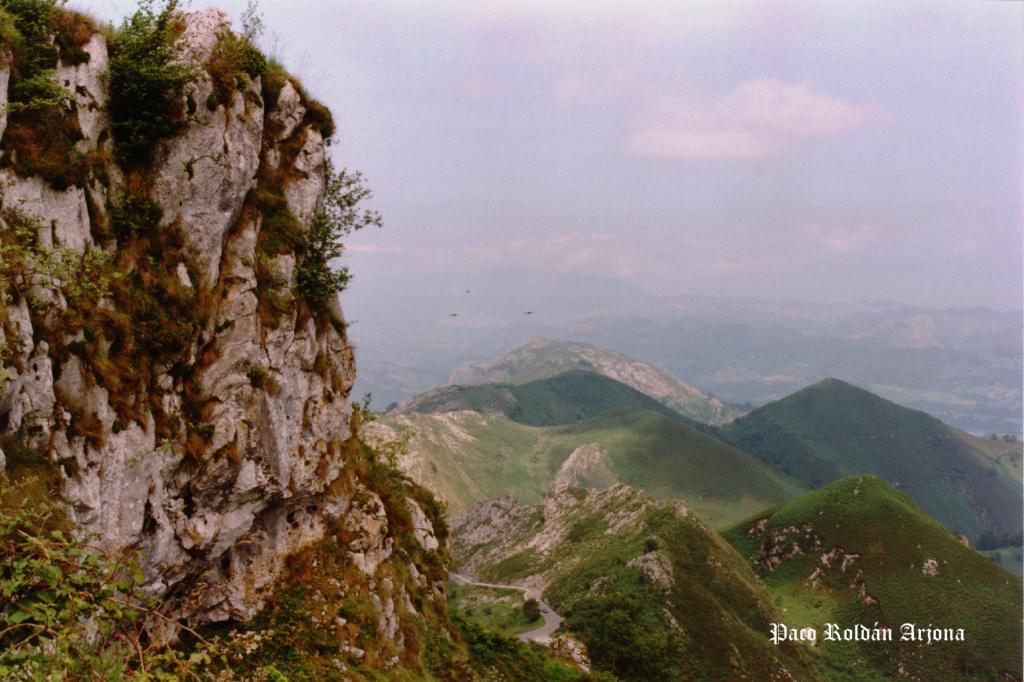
(545, 358)
(742, 350)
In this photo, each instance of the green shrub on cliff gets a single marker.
(339, 216)
(146, 104)
(41, 129)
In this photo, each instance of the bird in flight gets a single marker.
(453, 314)
(528, 312)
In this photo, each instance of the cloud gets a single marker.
(569, 253)
(841, 240)
(758, 119)
(477, 87)
(371, 248)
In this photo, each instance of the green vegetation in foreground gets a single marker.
(832, 429)
(53, 583)
(493, 609)
(887, 540)
(468, 457)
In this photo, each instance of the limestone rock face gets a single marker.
(304, 193)
(288, 114)
(62, 215)
(234, 458)
(493, 530)
(422, 529)
(85, 83)
(206, 171)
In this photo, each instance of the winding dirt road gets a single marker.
(542, 634)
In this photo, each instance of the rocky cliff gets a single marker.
(159, 353)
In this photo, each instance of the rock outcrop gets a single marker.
(227, 453)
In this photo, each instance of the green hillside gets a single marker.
(569, 397)
(833, 429)
(858, 551)
(466, 457)
(648, 587)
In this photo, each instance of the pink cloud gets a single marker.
(371, 248)
(560, 252)
(838, 239)
(759, 118)
(477, 87)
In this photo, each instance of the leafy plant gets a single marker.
(135, 214)
(70, 611)
(260, 377)
(25, 262)
(146, 82)
(42, 127)
(233, 57)
(339, 216)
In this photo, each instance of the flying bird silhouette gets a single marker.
(453, 314)
(528, 312)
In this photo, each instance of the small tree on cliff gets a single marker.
(339, 215)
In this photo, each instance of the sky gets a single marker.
(823, 151)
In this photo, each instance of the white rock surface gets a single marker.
(85, 83)
(304, 193)
(204, 173)
(422, 529)
(288, 113)
(64, 213)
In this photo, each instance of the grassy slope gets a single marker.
(466, 457)
(865, 516)
(719, 608)
(668, 459)
(833, 429)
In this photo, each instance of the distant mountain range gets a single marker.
(962, 365)
(642, 525)
(561, 399)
